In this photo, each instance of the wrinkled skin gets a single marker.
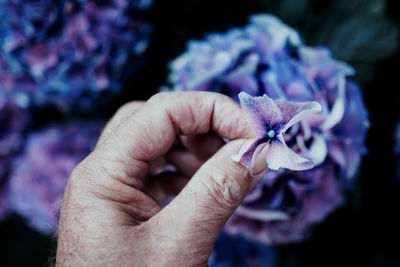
(111, 214)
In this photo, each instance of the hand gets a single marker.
(112, 215)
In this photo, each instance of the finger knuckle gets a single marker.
(82, 174)
(124, 113)
(127, 107)
(161, 97)
(224, 190)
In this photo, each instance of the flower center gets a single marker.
(271, 134)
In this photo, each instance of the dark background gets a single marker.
(366, 230)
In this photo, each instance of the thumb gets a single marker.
(202, 208)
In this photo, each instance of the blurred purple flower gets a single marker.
(397, 148)
(13, 122)
(285, 204)
(39, 177)
(70, 54)
(269, 119)
(268, 57)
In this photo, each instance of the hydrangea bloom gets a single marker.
(69, 53)
(13, 122)
(270, 119)
(268, 57)
(237, 251)
(40, 175)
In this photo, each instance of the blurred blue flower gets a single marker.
(237, 251)
(70, 54)
(39, 177)
(269, 57)
(13, 122)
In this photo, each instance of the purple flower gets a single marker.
(13, 122)
(397, 148)
(269, 119)
(268, 57)
(39, 177)
(70, 54)
(232, 62)
(284, 205)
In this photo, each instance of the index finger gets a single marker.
(151, 131)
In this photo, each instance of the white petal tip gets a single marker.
(315, 106)
(272, 166)
(236, 158)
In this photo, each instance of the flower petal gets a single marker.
(242, 76)
(249, 157)
(262, 112)
(262, 214)
(317, 151)
(280, 156)
(337, 111)
(296, 111)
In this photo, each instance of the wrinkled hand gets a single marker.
(111, 214)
